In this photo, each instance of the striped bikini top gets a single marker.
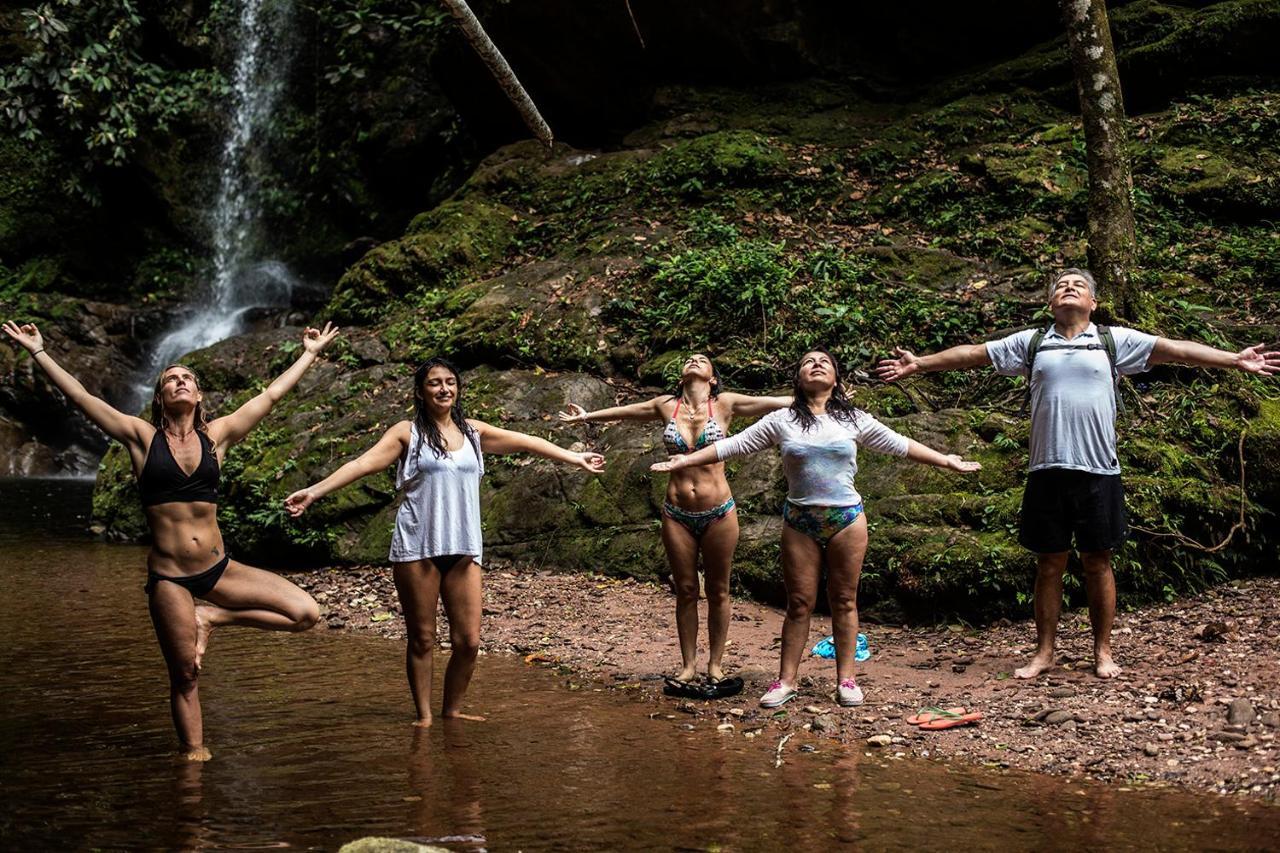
(674, 441)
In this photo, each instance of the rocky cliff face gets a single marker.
(866, 189)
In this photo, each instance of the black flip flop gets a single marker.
(722, 689)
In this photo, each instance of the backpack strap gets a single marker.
(1109, 344)
(1033, 347)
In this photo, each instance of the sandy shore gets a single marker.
(1197, 706)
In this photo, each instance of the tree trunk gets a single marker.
(501, 71)
(1112, 242)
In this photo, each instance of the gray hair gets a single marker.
(1084, 274)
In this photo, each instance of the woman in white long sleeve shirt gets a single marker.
(819, 437)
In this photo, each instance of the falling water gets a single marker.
(241, 281)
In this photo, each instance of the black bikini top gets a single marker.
(162, 480)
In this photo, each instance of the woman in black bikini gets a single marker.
(698, 515)
(188, 559)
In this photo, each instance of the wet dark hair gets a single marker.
(158, 420)
(839, 406)
(717, 383)
(422, 419)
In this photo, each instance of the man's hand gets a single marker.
(893, 369)
(1258, 360)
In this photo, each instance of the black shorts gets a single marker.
(1060, 503)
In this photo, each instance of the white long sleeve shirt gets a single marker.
(819, 464)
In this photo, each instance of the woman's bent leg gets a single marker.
(254, 598)
(173, 613)
(801, 569)
(461, 591)
(418, 586)
(682, 557)
(718, 545)
(845, 553)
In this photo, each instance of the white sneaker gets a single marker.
(777, 694)
(848, 694)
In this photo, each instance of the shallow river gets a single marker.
(312, 748)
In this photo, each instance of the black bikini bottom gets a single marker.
(198, 585)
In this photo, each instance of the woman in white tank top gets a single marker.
(436, 549)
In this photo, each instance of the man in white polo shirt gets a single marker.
(1073, 487)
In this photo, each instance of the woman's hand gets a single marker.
(964, 466)
(296, 504)
(26, 335)
(672, 463)
(592, 463)
(315, 340)
(573, 414)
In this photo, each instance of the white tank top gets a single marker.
(440, 511)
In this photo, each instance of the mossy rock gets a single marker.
(1262, 456)
(1028, 169)
(460, 238)
(1217, 182)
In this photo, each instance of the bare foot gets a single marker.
(1038, 664)
(204, 627)
(715, 673)
(423, 723)
(689, 673)
(1104, 666)
(196, 753)
(458, 715)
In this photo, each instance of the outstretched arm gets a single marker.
(705, 456)
(375, 459)
(236, 425)
(917, 452)
(498, 440)
(1255, 359)
(123, 428)
(644, 411)
(955, 358)
(749, 407)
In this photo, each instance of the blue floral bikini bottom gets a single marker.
(819, 523)
(697, 522)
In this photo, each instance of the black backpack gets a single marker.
(1108, 344)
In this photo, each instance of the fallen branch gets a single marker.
(501, 71)
(777, 756)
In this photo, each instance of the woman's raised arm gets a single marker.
(647, 410)
(498, 440)
(226, 431)
(388, 449)
(125, 429)
(748, 406)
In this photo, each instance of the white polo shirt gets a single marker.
(1073, 402)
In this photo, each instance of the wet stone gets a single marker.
(1240, 712)
(879, 740)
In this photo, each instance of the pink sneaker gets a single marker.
(777, 694)
(848, 694)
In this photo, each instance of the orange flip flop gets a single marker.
(952, 722)
(933, 713)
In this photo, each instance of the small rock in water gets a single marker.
(824, 723)
(1240, 712)
(879, 740)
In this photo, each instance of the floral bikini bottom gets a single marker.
(820, 523)
(697, 522)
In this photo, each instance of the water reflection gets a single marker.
(314, 748)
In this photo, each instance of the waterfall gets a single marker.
(241, 279)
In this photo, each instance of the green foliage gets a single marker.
(83, 80)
